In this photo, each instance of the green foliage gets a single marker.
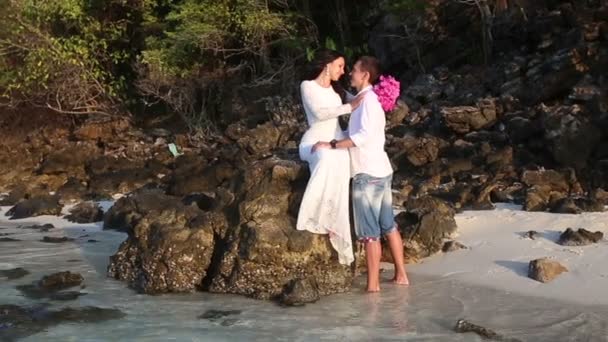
(203, 42)
(186, 56)
(59, 56)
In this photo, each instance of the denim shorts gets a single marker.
(372, 206)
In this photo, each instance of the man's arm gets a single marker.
(344, 143)
(359, 132)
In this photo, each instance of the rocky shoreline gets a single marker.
(529, 128)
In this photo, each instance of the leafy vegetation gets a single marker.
(112, 57)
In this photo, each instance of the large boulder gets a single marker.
(424, 225)
(243, 242)
(169, 247)
(41, 205)
(264, 253)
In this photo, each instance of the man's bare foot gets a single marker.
(401, 280)
(373, 289)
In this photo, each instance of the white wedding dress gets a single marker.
(325, 205)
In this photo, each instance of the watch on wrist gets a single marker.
(333, 143)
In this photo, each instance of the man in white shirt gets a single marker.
(372, 175)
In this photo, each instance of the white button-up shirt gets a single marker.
(366, 130)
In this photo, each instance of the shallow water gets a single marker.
(426, 311)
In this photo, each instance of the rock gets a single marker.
(532, 234)
(51, 285)
(483, 200)
(202, 201)
(19, 322)
(105, 130)
(576, 205)
(14, 273)
(589, 204)
(300, 292)
(459, 195)
(66, 295)
(61, 280)
(263, 252)
(545, 270)
(599, 195)
(424, 225)
(193, 174)
(70, 160)
(121, 181)
(521, 129)
(85, 212)
(397, 115)
(73, 189)
(464, 119)
(580, 237)
(572, 137)
(557, 72)
(513, 193)
(223, 317)
(548, 178)
(452, 246)
(108, 164)
(52, 239)
(15, 195)
(44, 205)
(464, 326)
(426, 88)
(565, 206)
(258, 141)
(169, 247)
(537, 198)
(41, 228)
(418, 151)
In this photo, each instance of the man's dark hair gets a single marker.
(371, 65)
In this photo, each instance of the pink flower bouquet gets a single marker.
(388, 90)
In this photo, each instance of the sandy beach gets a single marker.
(498, 254)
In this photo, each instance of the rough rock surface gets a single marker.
(85, 212)
(424, 225)
(44, 205)
(169, 247)
(580, 237)
(545, 269)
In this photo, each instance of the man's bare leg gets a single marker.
(395, 243)
(373, 251)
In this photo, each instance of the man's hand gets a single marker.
(320, 145)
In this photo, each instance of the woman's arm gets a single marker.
(349, 96)
(321, 113)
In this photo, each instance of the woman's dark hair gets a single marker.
(318, 63)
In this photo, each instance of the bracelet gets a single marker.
(333, 143)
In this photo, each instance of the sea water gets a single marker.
(426, 311)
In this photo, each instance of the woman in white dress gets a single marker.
(325, 205)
